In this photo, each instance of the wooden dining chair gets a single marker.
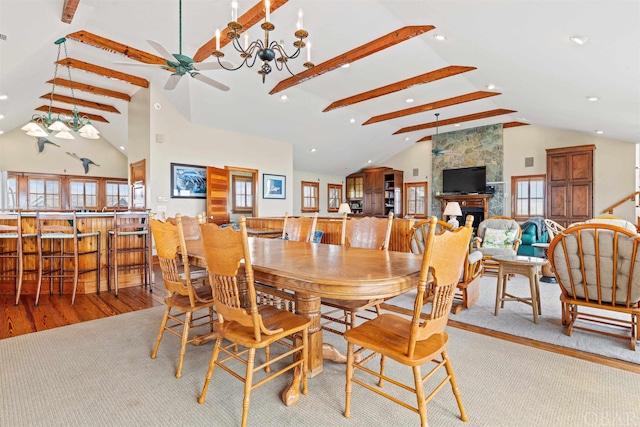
(183, 298)
(246, 329)
(11, 249)
(191, 230)
(300, 229)
(468, 288)
(416, 341)
(366, 233)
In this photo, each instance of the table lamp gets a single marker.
(344, 208)
(453, 210)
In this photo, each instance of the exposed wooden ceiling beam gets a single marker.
(401, 85)
(426, 138)
(473, 96)
(115, 47)
(92, 89)
(69, 10)
(107, 72)
(82, 102)
(513, 124)
(391, 39)
(461, 119)
(56, 110)
(247, 20)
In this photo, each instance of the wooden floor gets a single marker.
(54, 311)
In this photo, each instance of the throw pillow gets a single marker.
(494, 238)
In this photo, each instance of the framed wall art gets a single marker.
(274, 186)
(188, 181)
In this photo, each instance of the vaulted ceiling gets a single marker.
(348, 115)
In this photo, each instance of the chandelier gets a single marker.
(264, 50)
(43, 124)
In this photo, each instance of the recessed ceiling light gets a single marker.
(284, 97)
(522, 119)
(369, 161)
(1, 132)
(313, 150)
(407, 138)
(345, 65)
(491, 86)
(409, 100)
(122, 147)
(439, 37)
(593, 98)
(456, 125)
(1, 116)
(579, 39)
(599, 132)
(352, 121)
(3, 97)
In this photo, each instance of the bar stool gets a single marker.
(129, 246)
(11, 231)
(57, 229)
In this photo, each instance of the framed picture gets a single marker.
(274, 186)
(188, 181)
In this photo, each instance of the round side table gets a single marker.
(525, 266)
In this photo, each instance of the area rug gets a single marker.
(516, 318)
(99, 373)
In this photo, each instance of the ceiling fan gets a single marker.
(438, 151)
(181, 64)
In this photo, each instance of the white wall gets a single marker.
(614, 163)
(188, 143)
(323, 180)
(19, 153)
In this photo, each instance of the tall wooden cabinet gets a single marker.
(570, 184)
(375, 191)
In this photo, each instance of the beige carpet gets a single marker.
(517, 319)
(99, 373)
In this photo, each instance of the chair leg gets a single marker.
(454, 385)
(383, 363)
(305, 360)
(163, 324)
(347, 406)
(40, 268)
(248, 384)
(183, 345)
(212, 364)
(75, 272)
(20, 266)
(422, 405)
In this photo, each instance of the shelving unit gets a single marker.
(375, 191)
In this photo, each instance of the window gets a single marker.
(416, 200)
(12, 192)
(310, 196)
(335, 197)
(242, 194)
(117, 194)
(44, 193)
(83, 194)
(527, 196)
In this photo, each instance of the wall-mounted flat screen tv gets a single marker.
(464, 180)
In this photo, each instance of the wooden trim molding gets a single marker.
(82, 102)
(107, 72)
(401, 85)
(92, 89)
(69, 10)
(461, 119)
(473, 96)
(247, 20)
(381, 43)
(56, 110)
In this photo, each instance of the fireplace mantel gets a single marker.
(469, 203)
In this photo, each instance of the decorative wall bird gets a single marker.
(41, 141)
(85, 162)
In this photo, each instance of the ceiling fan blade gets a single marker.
(198, 66)
(210, 81)
(172, 82)
(162, 51)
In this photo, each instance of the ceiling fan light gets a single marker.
(31, 127)
(64, 135)
(88, 128)
(89, 135)
(579, 40)
(59, 126)
(37, 132)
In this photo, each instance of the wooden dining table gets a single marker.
(315, 270)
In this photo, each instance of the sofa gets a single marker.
(534, 230)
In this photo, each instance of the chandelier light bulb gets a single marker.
(234, 10)
(299, 24)
(267, 10)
